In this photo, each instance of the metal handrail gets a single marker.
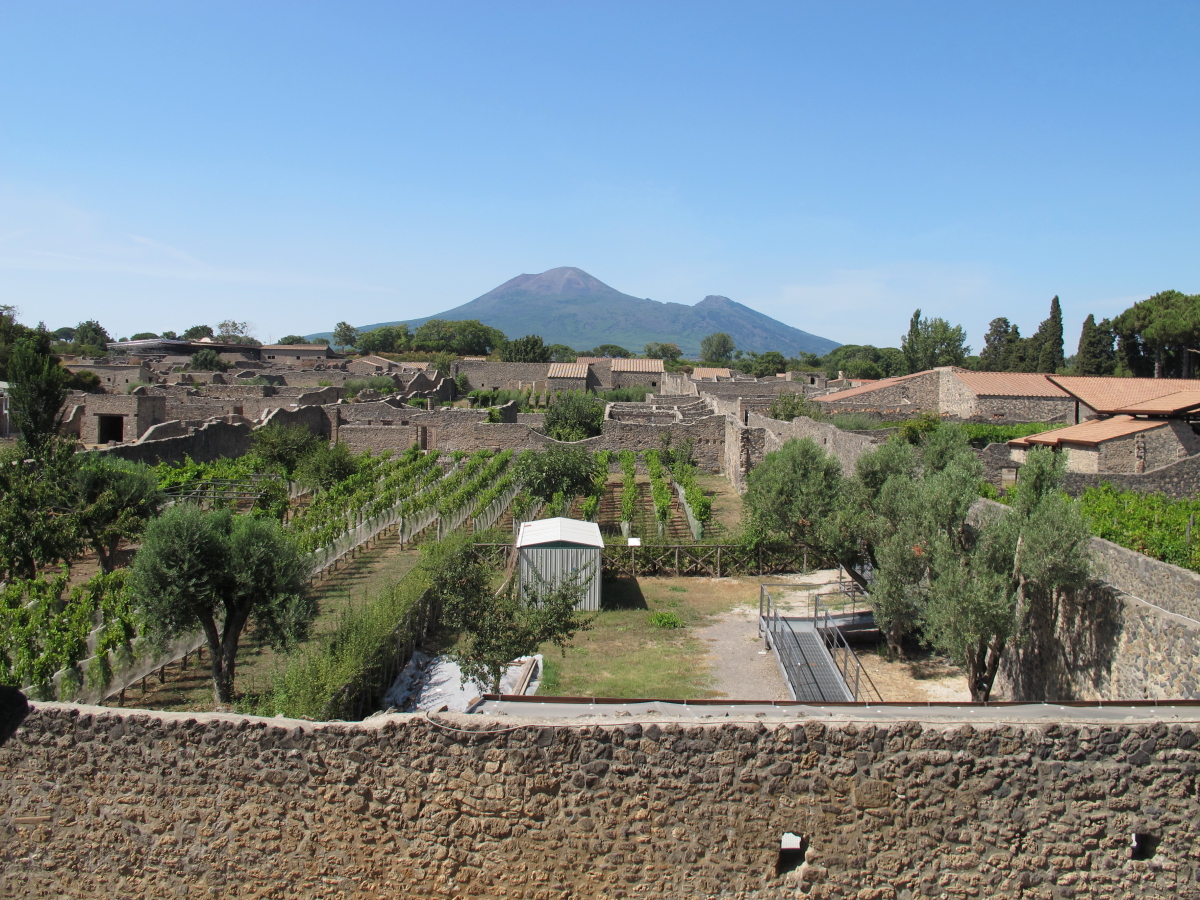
(799, 676)
(863, 688)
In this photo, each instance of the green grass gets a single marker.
(624, 655)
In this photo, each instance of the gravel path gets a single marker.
(742, 667)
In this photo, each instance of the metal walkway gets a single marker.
(818, 664)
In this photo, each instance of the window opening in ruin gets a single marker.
(110, 428)
(1143, 846)
(792, 848)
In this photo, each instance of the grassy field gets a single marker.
(624, 655)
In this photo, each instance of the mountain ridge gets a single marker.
(566, 305)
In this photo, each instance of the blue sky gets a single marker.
(833, 165)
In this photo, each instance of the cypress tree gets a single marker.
(1095, 356)
(1050, 341)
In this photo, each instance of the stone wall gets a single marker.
(101, 803)
(468, 429)
(138, 413)
(845, 446)
(213, 440)
(502, 375)
(1146, 450)
(1180, 480)
(905, 397)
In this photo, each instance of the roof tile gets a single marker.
(567, 370)
(1107, 394)
(1010, 384)
(709, 372)
(637, 365)
(1095, 431)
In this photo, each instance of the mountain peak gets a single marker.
(565, 281)
(568, 306)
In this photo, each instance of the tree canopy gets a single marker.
(218, 572)
(37, 390)
(468, 337)
(388, 339)
(574, 416)
(528, 349)
(933, 342)
(1156, 337)
(717, 349)
(345, 335)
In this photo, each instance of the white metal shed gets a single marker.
(550, 549)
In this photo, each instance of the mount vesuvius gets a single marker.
(569, 306)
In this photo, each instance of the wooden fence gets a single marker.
(699, 560)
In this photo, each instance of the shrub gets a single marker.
(325, 466)
(207, 360)
(574, 416)
(665, 620)
(381, 383)
(282, 446)
(786, 407)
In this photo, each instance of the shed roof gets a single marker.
(1093, 432)
(1107, 394)
(1010, 384)
(1169, 404)
(559, 531)
(709, 372)
(637, 365)
(567, 370)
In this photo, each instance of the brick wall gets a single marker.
(101, 803)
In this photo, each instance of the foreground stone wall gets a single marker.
(118, 803)
(1133, 634)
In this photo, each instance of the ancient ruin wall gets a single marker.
(120, 803)
(845, 446)
(213, 440)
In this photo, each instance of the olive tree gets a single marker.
(1020, 565)
(216, 571)
(116, 498)
(498, 626)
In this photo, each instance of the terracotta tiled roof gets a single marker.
(1097, 431)
(637, 365)
(1110, 395)
(1010, 384)
(567, 370)
(322, 347)
(1166, 405)
(865, 389)
(590, 360)
(705, 372)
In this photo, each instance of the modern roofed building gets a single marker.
(551, 551)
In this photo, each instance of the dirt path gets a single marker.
(742, 667)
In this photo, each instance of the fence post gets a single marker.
(676, 560)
